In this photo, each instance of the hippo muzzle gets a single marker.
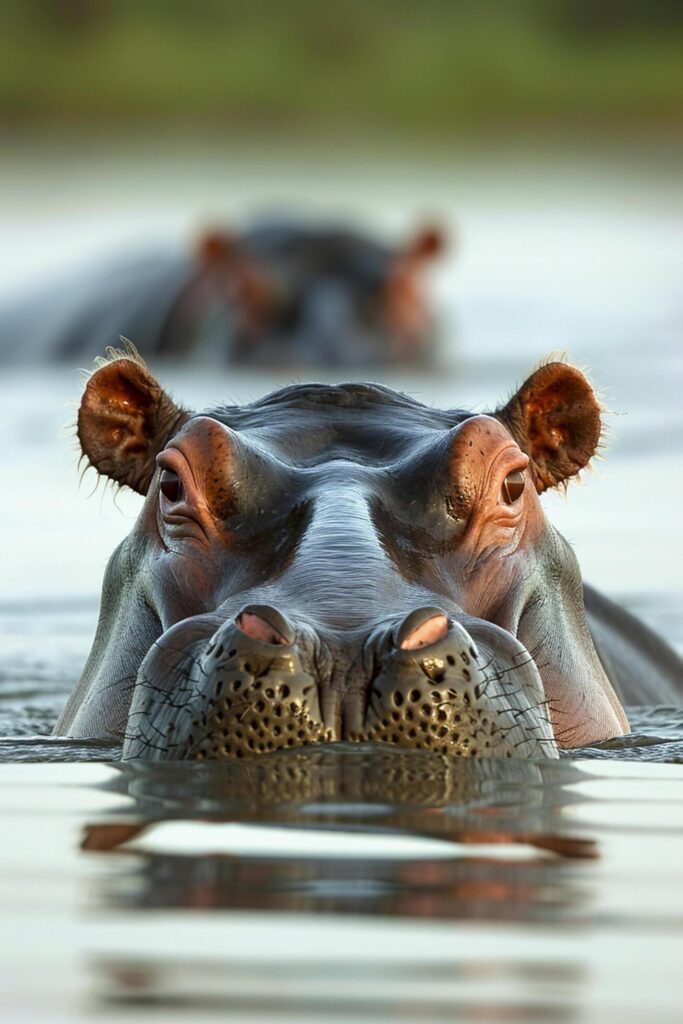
(341, 564)
(259, 684)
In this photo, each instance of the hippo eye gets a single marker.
(513, 485)
(169, 485)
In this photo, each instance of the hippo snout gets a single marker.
(461, 696)
(261, 682)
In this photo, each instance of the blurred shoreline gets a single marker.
(428, 70)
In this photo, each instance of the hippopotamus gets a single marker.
(342, 563)
(275, 294)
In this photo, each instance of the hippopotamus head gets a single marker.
(341, 563)
(299, 293)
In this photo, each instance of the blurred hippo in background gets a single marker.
(344, 563)
(276, 294)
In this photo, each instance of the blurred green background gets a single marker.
(427, 68)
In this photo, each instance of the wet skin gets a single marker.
(343, 563)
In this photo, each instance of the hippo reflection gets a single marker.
(275, 294)
(344, 563)
(505, 819)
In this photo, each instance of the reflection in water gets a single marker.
(361, 833)
(348, 882)
(355, 882)
(479, 812)
(484, 991)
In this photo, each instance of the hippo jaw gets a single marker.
(341, 563)
(236, 695)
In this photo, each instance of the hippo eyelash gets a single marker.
(513, 486)
(170, 485)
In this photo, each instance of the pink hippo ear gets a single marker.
(404, 308)
(215, 247)
(426, 243)
(125, 419)
(236, 274)
(555, 419)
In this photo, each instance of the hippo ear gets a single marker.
(124, 421)
(428, 242)
(214, 247)
(555, 419)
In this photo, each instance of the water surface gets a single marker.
(335, 886)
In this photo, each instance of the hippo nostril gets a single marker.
(423, 626)
(261, 622)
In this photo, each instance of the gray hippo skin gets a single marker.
(275, 294)
(344, 563)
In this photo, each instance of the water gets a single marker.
(330, 886)
(342, 884)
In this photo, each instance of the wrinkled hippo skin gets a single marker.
(274, 294)
(343, 563)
